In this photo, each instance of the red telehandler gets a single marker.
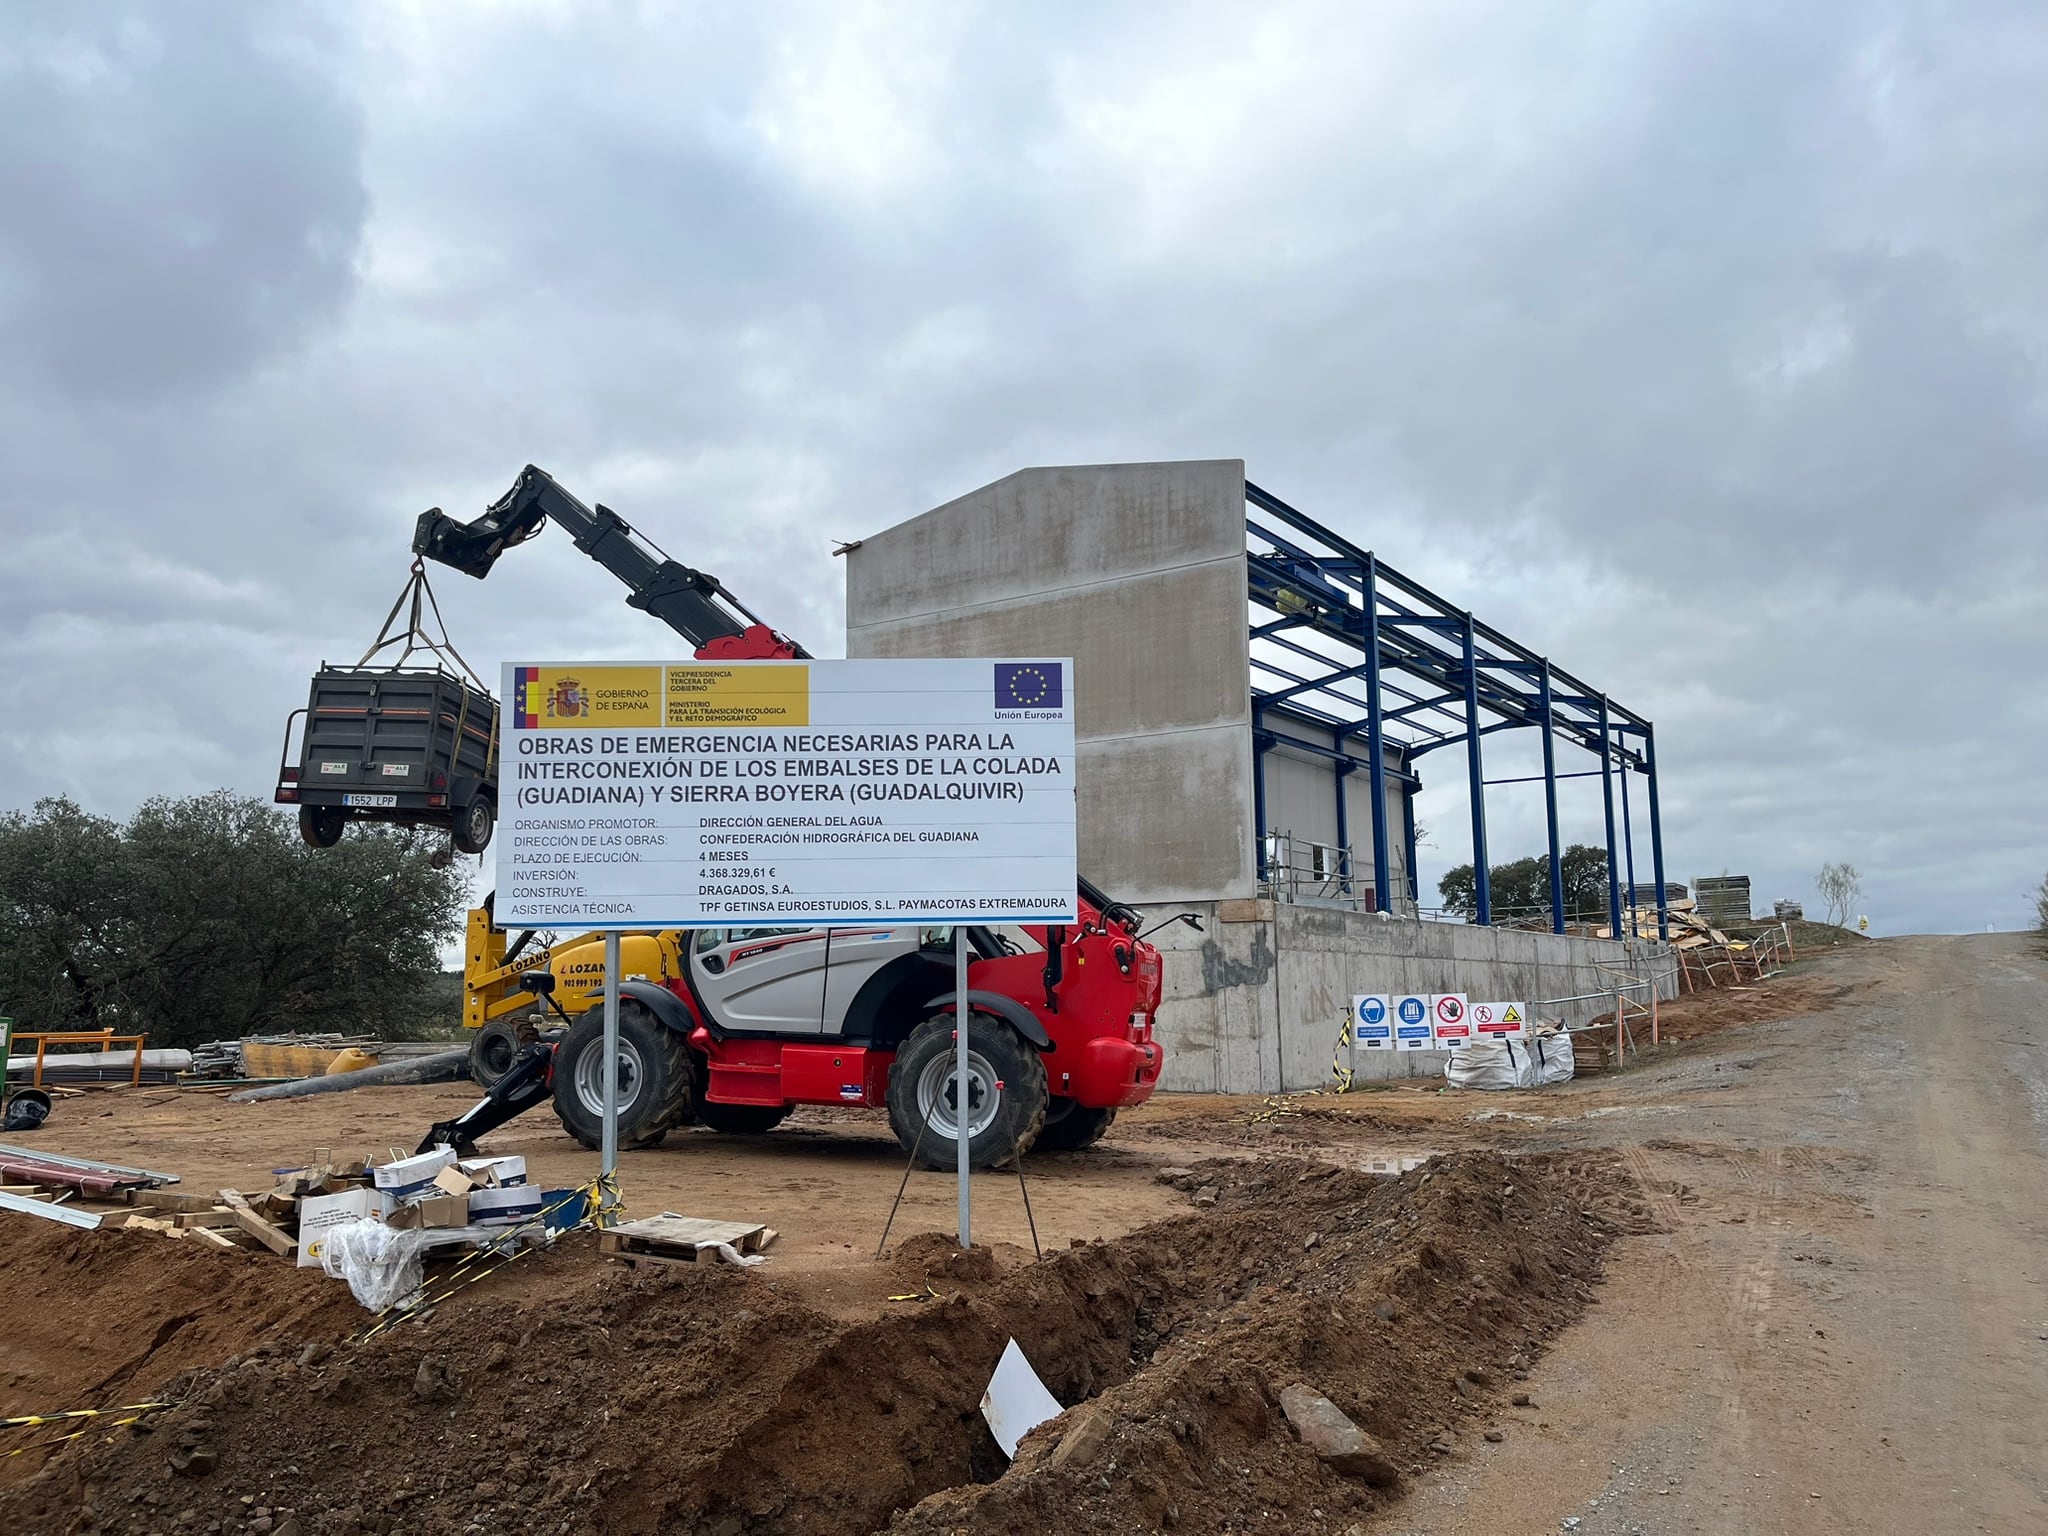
(731, 1027)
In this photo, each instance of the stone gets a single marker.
(434, 1381)
(1340, 1444)
(1496, 1436)
(1385, 1311)
(192, 1461)
(1440, 1447)
(286, 1527)
(1086, 1434)
(1479, 1378)
(1174, 1176)
(1310, 1241)
(1523, 1400)
(1206, 1195)
(314, 1353)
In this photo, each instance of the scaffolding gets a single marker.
(1346, 645)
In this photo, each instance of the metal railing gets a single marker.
(1303, 872)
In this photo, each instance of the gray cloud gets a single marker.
(1700, 346)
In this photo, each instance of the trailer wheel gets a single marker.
(1006, 1092)
(474, 824)
(322, 825)
(654, 1078)
(491, 1052)
(1069, 1127)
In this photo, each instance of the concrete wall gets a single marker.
(1301, 798)
(1255, 1005)
(1137, 572)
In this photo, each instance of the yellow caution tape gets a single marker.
(1338, 1070)
(137, 1409)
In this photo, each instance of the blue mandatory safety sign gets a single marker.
(1369, 1016)
(1413, 1010)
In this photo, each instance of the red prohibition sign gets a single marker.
(1449, 1010)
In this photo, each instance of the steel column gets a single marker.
(1376, 742)
(1343, 829)
(1607, 796)
(1258, 795)
(1656, 833)
(1550, 806)
(1482, 884)
(1628, 846)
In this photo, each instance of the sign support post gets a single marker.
(960, 1079)
(609, 1141)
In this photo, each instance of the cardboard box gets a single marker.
(496, 1207)
(409, 1175)
(319, 1214)
(495, 1172)
(434, 1212)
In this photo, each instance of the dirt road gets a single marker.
(1846, 1326)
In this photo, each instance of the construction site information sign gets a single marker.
(786, 794)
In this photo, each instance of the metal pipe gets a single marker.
(960, 1095)
(1607, 795)
(608, 1150)
(1482, 883)
(1550, 803)
(1656, 833)
(445, 1067)
(1376, 741)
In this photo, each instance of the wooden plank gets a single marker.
(213, 1239)
(271, 1237)
(171, 1200)
(199, 1220)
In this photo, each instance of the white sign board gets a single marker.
(1448, 1016)
(1412, 1029)
(1499, 1021)
(786, 794)
(1372, 1023)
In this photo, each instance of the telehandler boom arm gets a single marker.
(695, 604)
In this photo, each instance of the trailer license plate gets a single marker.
(373, 802)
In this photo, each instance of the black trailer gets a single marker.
(417, 746)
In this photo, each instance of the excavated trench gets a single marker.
(583, 1398)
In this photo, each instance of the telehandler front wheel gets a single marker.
(1006, 1092)
(1069, 1126)
(654, 1078)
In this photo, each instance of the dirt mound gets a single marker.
(571, 1395)
(108, 1317)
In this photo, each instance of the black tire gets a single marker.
(322, 825)
(654, 1078)
(736, 1119)
(1069, 1127)
(492, 1049)
(1000, 1062)
(474, 824)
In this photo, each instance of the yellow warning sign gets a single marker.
(1512, 1016)
(711, 695)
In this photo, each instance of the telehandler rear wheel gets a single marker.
(1006, 1094)
(654, 1078)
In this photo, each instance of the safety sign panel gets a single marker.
(1412, 1029)
(1499, 1021)
(786, 794)
(1448, 1017)
(1372, 1023)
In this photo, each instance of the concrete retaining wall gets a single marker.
(1254, 1004)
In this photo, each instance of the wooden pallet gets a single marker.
(658, 1240)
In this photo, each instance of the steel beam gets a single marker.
(1656, 834)
(1376, 744)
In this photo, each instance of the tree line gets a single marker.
(1521, 890)
(208, 918)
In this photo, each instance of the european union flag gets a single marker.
(1030, 685)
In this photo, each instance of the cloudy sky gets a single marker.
(1699, 345)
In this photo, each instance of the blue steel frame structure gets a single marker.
(1345, 643)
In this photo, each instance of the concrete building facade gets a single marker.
(1139, 573)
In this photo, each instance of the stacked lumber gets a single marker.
(1688, 927)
